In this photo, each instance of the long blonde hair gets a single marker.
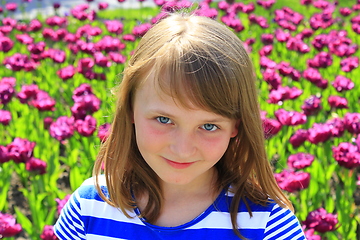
(198, 59)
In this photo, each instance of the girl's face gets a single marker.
(181, 145)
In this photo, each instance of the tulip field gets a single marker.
(57, 74)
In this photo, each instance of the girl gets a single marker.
(185, 158)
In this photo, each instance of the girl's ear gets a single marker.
(236, 129)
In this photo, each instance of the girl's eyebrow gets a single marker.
(209, 120)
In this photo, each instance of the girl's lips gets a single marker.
(178, 165)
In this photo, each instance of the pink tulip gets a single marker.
(62, 129)
(9, 227)
(312, 105)
(7, 90)
(290, 118)
(36, 165)
(291, 181)
(5, 117)
(20, 150)
(86, 127)
(322, 221)
(338, 102)
(103, 132)
(300, 160)
(48, 233)
(6, 44)
(11, 7)
(299, 137)
(66, 72)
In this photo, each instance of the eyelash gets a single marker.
(161, 119)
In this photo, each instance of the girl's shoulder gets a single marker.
(87, 189)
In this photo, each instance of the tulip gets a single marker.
(117, 57)
(66, 72)
(300, 160)
(338, 102)
(337, 127)
(9, 22)
(36, 165)
(284, 93)
(101, 60)
(6, 44)
(320, 220)
(43, 102)
(109, 44)
(19, 62)
(352, 122)
(266, 50)
(47, 122)
(4, 154)
(267, 38)
(291, 181)
(114, 26)
(313, 75)
(104, 131)
(272, 77)
(11, 7)
(348, 64)
(312, 105)
(56, 21)
(61, 203)
(128, 38)
(9, 227)
(321, 60)
(309, 234)
(56, 5)
(298, 45)
(322, 4)
(20, 150)
(48, 233)
(37, 48)
(271, 127)
(266, 4)
(7, 90)
(86, 127)
(281, 35)
(266, 62)
(62, 128)
(34, 25)
(261, 21)
(290, 118)
(103, 5)
(306, 2)
(342, 84)
(299, 137)
(5, 117)
(347, 155)
(141, 29)
(319, 133)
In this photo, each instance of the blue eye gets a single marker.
(163, 120)
(210, 127)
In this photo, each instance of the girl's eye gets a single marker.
(163, 120)
(209, 127)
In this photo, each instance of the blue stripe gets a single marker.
(115, 229)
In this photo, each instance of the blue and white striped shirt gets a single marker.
(87, 216)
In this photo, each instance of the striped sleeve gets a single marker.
(283, 225)
(70, 224)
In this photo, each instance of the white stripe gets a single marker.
(97, 237)
(94, 208)
(281, 229)
(223, 221)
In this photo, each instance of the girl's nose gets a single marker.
(183, 146)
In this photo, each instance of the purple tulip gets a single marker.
(281, 35)
(342, 84)
(272, 77)
(6, 44)
(117, 57)
(85, 64)
(299, 137)
(232, 21)
(61, 203)
(312, 105)
(20, 150)
(271, 127)
(306, 2)
(109, 44)
(309, 234)
(350, 63)
(141, 29)
(322, 4)
(66, 72)
(290, 118)
(104, 131)
(49, 33)
(7, 90)
(11, 6)
(291, 181)
(267, 38)
(129, 38)
(320, 60)
(27, 92)
(4, 157)
(284, 93)
(101, 60)
(36, 165)
(56, 21)
(286, 70)
(266, 4)
(5, 117)
(313, 75)
(56, 5)
(34, 25)
(337, 127)
(352, 122)
(266, 62)
(85, 102)
(300, 160)
(37, 48)
(114, 26)
(57, 55)
(319, 133)
(338, 102)
(259, 20)
(86, 127)
(266, 50)
(322, 221)
(48, 233)
(206, 11)
(62, 128)
(9, 22)
(347, 155)
(306, 33)
(43, 102)
(296, 44)
(19, 62)
(9, 227)
(103, 5)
